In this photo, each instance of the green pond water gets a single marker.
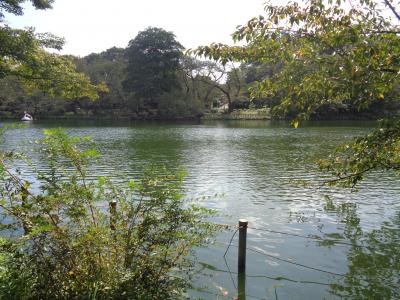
(248, 169)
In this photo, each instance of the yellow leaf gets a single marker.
(296, 124)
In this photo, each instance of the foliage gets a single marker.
(198, 82)
(65, 242)
(329, 53)
(14, 6)
(22, 55)
(214, 80)
(379, 150)
(153, 60)
(177, 105)
(109, 67)
(196, 93)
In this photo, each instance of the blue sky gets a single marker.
(96, 25)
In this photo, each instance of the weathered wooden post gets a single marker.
(242, 259)
(242, 245)
(113, 212)
(241, 286)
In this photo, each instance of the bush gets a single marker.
(95, 239)
(241, 103)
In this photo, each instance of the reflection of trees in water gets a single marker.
(374, 264)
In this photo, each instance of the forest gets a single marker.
(154, 77)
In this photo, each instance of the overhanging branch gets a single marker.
(388, 4)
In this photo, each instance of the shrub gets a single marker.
(93, 239)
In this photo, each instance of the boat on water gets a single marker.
(27, 117)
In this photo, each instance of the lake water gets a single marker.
(249, 169)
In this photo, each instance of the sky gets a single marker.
(96, 25)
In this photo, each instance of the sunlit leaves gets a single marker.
(380, 150)
(22, 55)
(330, 53)
(57, 76)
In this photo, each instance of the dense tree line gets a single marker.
(255, 73)
(150, 79)
(154, 79)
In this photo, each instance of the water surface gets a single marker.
(246, 170)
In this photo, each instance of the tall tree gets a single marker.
(223, 78)
(23, 55)
(197, 81)
(14, 6)
(109, 67)
(153, 62)
(331, 52)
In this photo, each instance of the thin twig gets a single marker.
(387, 2)
(230, 242)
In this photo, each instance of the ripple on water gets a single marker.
(251, 169)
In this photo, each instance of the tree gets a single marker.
(108, 67)
(197, 86)
(224, 79)
(23, 55)
(14, 6)
(153, 61)
(332, 52)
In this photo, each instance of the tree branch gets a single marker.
(387, 2)
(344, 178)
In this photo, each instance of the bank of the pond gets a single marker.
(154, 115)
(240, 114)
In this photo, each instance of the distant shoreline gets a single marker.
(240, 114)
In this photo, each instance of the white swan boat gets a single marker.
(27, 117)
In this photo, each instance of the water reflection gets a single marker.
(373, 258)
(251, 166)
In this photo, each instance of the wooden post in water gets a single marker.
(242, 259)
(242, 245)
(113, 212)
(241, 286)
